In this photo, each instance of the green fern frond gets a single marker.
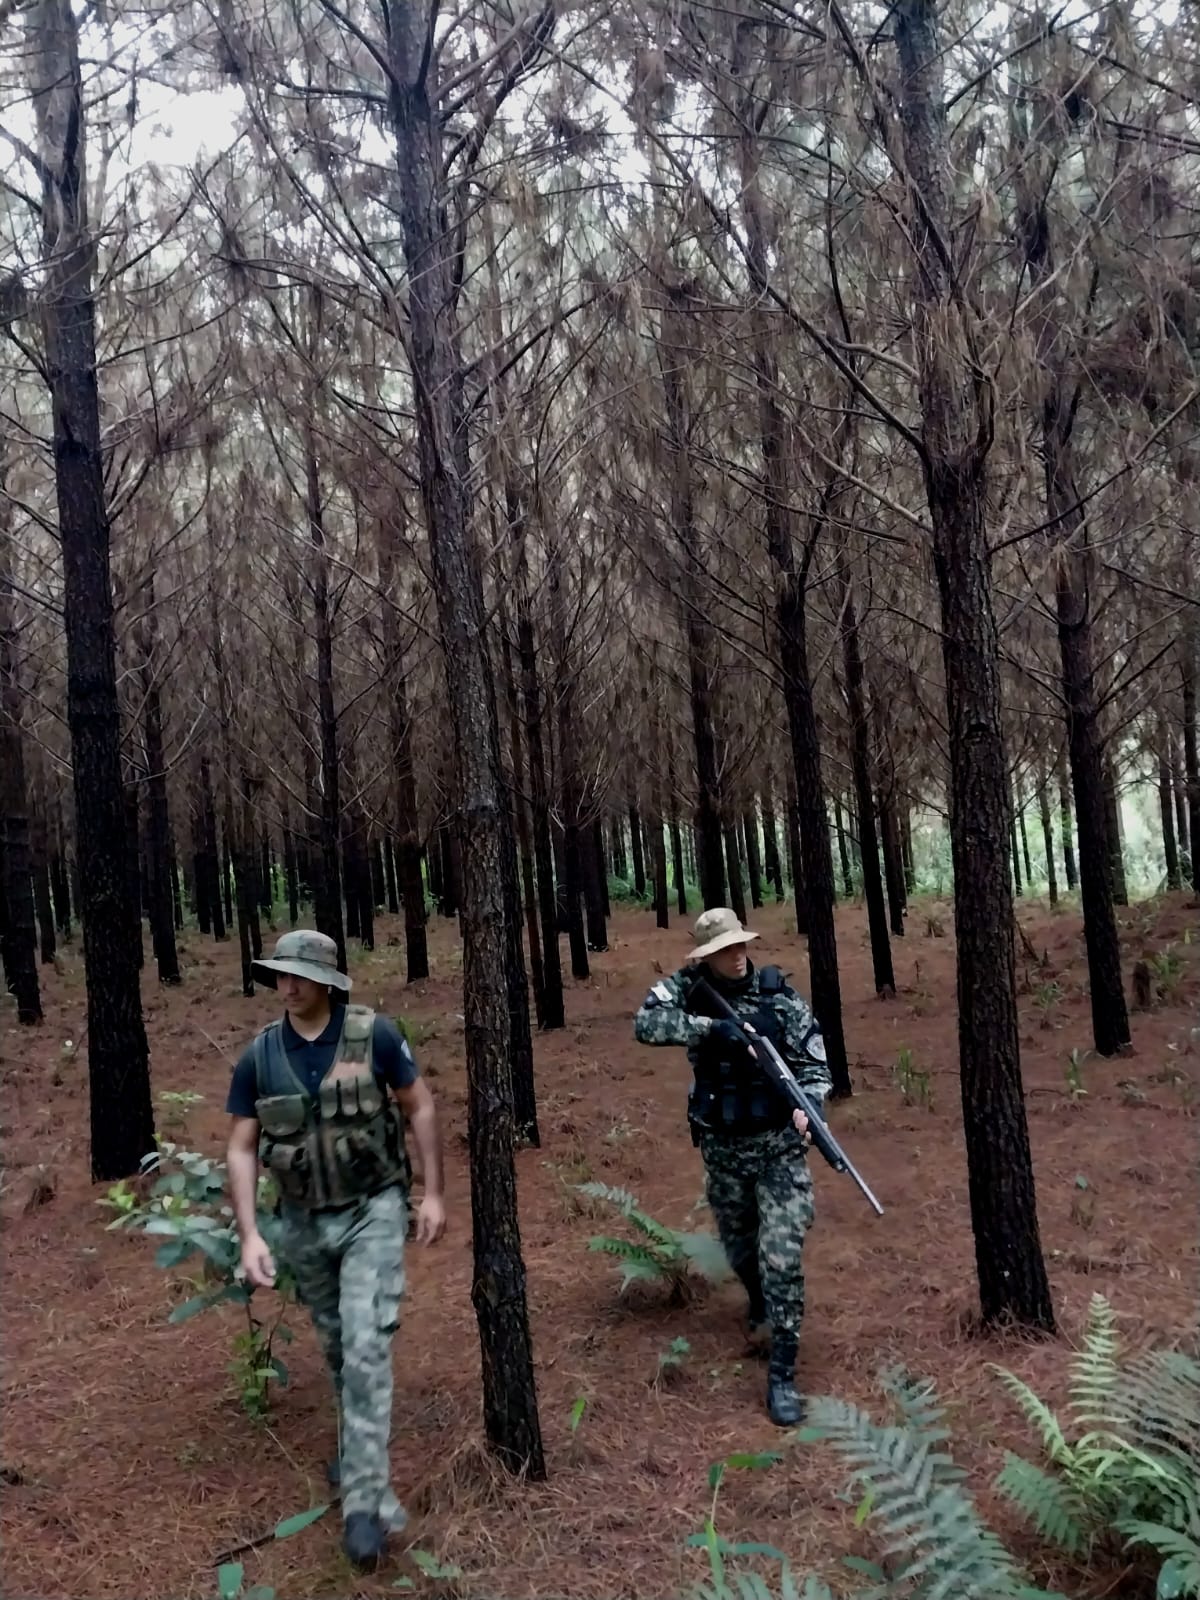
(1051, 1506)
(707, 1254)
(658, 1231)
(916, 1399)
(925, 1515)
(1038, 1415)
(1177, 1547)
(624, 1250)
(624, 1201)
(633, 1271)
(1095, 1376)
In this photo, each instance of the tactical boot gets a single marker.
(364, 1539)
(784, 1406)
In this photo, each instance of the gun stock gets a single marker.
(786, 1081)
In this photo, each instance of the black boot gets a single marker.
(784, 1406)
(364, 1539)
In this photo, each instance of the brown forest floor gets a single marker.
(128, 1464)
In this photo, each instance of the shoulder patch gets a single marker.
(814, 1046)
(661, 992)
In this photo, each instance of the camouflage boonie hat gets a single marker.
(305, 954)
(715, 929)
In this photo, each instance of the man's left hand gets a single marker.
(800, 1123)
(431, 1220)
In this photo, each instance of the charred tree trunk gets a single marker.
(1016, 861)
(753, 864)
(1068, 540)
(737, 897)
(815, 900)
(122, 1112)
(1064, 817)
(162, 906)
(847, 876)
(771, 862)
(956, 435)
(1191, 759)
(1116, 835)
(591, 864)
(698, 630)
(517, 790)
(328, 908)
(639, 859)
(860, 767)
(212, 854)
(553, 1008)
(1166, 805)
(1048, 837)
(407, 868)
(510, 1409)
(18, 935)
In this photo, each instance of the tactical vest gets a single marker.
(731, 1093)
(345, 1141)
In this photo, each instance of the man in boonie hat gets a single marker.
(320, 1098)
(753, 1144)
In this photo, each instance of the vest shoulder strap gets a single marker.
(269, 1058)
(771, 981)
(357, 1025)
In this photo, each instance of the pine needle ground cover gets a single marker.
(131, 1467)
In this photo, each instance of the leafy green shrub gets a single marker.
(663, 1255)
(188, 1207)
(1131, 1475)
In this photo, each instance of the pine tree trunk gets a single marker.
(1016, 861)
(591, 863)
(771, 863)
(1191, 759)
(1166, 804)
(860, 766)
(328, 908)
(677, 867)
(161, 902)
(1024, 847)
(848, 876)
(956, 435)
(212, 855)
(18, 938)
(1115, 835)
(498, 1292)
(517, 791)
(753, 864)
(1064, 816)
(639, 859)
(553, 1008)
(407, 868)
(122, 1113)
(1181, 811)
(1069, 544)
(1043, 795)
(698, 630)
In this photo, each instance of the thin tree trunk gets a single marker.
(511, 1421)
(328, 908)
(737, 897)
(1181, 811)
(956, 436)
(162, 909)
(753, 864)
(18, 937)
(860, 767)
(212, 855)
(658, 859)
(1016, 861)
(591, 862)
(517, 790)
(847, 875)
(1115, 835)
(1064, 813)
(639, 859)
(1024, 847)
(1166, 804)
(1191, 758)
(1043, 795)
(771, 863)
(553, 1007)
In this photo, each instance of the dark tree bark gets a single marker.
(1073, 562)
(18, 937)
(591, 862)
(753, 864)
(553, 1008)
(1181, 812)
(844, 858)
(238, 866)
(681, 899)
(698, 630)
(1064, 816)
(517, 791)
(1048, 836)
(212, 855)
(122, 1112)
(737, 897)
(161, 900)
(568, 764)
(771, 863)
(291, 871)
(498, 1292)
(391, 883)
(60, 877)
(1166, 804)
(1024, 837)
(860, 767)
(327, 911)
(815, 900)
(658, 858)
(956, 435)
(616, 833)
(906, 841)
(889, 828)
(1191, 759)
(1016, 861)
(639, 859)
(795, 869)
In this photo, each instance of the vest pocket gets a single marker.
(281, 1115)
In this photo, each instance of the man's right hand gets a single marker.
(257, 1262)
(733, 1036)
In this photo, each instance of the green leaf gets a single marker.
(869, 1569)
(280, 1371)
(302, 1520)
(1173, 1580)
(173, 1252)
(190, 1308)
(432, 1567)
(260, 1591)
(577, 1411)
(403, 1583)
(161, 1225)
(229, 1579)
(753, 1461)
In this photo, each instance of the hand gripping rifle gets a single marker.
(713, 1004)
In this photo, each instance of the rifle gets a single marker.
(784, 1079)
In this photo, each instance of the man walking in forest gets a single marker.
(320, 1097)
(753, 1144)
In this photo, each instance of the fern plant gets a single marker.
(1131, 1474)
(662, 1254)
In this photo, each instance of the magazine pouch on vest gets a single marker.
(731, 1093)
(345, 1141)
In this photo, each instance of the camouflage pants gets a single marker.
(349, 1269)
(760, 1192)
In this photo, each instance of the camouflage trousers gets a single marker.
(349, 1270)
(760, 1191)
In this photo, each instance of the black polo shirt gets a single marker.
(310, 1060)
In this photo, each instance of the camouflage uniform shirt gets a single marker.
(662, 1019)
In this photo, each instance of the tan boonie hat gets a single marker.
(716, 928)
(305, 954)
